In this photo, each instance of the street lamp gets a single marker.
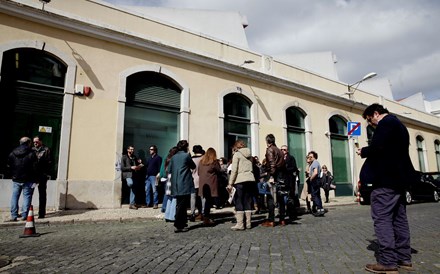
(350, 92)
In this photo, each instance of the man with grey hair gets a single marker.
(22, 164)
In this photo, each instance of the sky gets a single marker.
(397, 39)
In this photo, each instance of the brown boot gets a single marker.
(208, 222)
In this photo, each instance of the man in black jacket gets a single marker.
(290, 177)
(22, 163)
(388, 167)
(43, 170)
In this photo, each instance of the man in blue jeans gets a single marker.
(389, 169)
(22, 163)
(153, 170)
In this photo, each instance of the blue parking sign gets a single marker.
(353, 128)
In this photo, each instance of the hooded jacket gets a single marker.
(22, 163)
(241, 167)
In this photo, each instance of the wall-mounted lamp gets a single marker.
(247, 62)
(350, 92)
(44, 2)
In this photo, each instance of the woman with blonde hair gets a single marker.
(242, 179)
(208, 170)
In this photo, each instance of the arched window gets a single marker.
(421, 153)
(32, 93)
(437, 153)
(237, 121)
(340, 155)
(296, 139)
(152, 112)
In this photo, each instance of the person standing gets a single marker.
(208, 171)
(153, 173)
(276, 170)
(242, 179)
(315, 184)
(129, 165)
(327, 181)
(290, 177)
(195, 198)
(44, 163)
(389, 177)
(182, 184)
(22, 162)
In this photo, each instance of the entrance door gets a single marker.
(32, 90)
(151, 118)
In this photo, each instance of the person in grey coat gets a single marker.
(182, 184)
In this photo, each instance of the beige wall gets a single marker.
(95, 127)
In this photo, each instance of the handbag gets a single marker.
(170, 211)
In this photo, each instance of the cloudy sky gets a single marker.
(397, 39)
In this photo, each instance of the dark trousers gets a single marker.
(42, 193)
(271, 206)
(180, 220)
(388, 211)
(243, 196)
(316, 194)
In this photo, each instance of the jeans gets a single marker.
(28, 191)
(150, 185)
(316, 194)
(130, 184)
(388, 211)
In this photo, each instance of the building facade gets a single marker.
(90, 78)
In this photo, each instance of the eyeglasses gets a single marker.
(151, 148)
(284, 149)
(308, 157)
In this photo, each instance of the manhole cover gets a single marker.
(4, 262)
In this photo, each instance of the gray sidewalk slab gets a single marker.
(125, 214)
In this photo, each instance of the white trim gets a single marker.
(184, 102)
(69, 86)
(307, 123)
(254, 122)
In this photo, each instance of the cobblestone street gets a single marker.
(341, 242)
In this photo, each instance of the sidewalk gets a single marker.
(125, 214)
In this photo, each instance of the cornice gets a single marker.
(107, 33)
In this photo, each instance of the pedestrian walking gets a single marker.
(315, 184)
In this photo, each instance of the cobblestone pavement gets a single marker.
(341, 242)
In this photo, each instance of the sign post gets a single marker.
(353, 132)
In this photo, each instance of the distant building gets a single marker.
(91, 78)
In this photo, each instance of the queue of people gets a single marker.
(244, 176)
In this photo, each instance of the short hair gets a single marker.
(182, 145)
(270, 139)
(154, 148)
(315, 155)
(197, 149)
(129, 146)
(25, 140)
(369, 111)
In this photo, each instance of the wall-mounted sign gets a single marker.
(44, 129)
